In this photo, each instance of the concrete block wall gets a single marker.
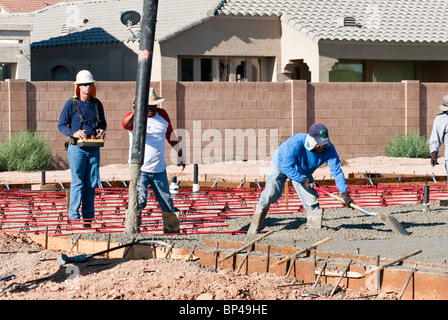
(361, 117)
(12, 93)
(216, 115)
(4, 111)
(430, 99)
(210, 117)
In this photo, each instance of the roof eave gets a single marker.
(184, 28)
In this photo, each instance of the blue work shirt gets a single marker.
(297, 162)
(70, 121)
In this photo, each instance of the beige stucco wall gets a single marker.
(296, 45)
(15, 37)
(156, 70)
(224, 37)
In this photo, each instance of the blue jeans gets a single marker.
(160, 187)
(85, 171)
(446, 168)
(273, 191)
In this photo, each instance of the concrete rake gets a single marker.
(385, 218)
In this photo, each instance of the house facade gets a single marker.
(15, 62)
(244, 40)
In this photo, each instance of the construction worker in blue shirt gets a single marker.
(83, 123)
(297, 159)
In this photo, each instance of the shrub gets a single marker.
(411, 145)
(25, 151)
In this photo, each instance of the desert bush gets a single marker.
(25, 151)
(411, 145)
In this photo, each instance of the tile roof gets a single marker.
(14, 6)
(376, 20)
(85, 37)
(176, 16)
(421, 21)
(82, 15)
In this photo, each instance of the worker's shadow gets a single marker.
(68, 274)
(281, 223)
(358, 226)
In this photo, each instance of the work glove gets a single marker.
(434, 155)
(347, 199)
(308, 184)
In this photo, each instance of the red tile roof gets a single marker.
(16, 6)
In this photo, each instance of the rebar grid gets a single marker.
(207, 211)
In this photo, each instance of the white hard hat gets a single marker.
(84, 76)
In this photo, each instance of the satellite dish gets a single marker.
(129, 18)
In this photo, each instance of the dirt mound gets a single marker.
(18, 241)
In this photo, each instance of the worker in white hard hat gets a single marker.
(82, 117)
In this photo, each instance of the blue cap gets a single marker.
(319, 132)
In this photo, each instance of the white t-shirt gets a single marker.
(158, 128)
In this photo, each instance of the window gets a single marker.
(187, 69)
(393, 71)
(375, 71)
(206, 69)
(241, 71)
(347, 72)
(5, 72)
(225, 69)
(2, 73)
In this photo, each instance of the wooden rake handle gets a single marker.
(354, 206)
